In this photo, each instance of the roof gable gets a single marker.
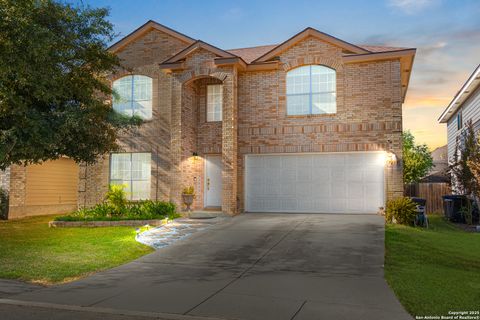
(310, 32)
(470, 86)
(196, 46)
(148, 26)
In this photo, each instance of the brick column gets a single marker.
(229, 144)
(394, 172)
(17, 192)
(176, 142)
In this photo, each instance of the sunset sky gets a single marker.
(446, 34)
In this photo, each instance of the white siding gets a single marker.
(470, 111)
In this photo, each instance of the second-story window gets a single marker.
(459, 120)
(214, 102)
(133, 96)
(311, 90)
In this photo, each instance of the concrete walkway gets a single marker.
(254, 266)
(174, 231)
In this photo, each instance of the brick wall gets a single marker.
(368, 114)
(141, 56)
(368, 118)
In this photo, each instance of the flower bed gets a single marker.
(117, 208)
(111, 223)
(143, 210)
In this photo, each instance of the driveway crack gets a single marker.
(300, 308)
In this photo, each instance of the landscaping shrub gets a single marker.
(142, 210)
(402, 210)
(116, 198)
(3, 204)
(117, 207)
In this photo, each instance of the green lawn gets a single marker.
(433, 271)
(31, 251)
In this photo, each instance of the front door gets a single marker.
(213, 181)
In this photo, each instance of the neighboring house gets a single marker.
(464, 107)
(48, 188)
(439, 172)
(309, 125)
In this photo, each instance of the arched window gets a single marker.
(311, 90)
(133, 96)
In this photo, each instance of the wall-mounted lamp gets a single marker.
(195, 155)
(391, 159)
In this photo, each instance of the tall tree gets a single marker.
(53, 85)
(417, 160)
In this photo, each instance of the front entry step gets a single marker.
(205, 214)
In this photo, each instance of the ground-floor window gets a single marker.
(132, 170)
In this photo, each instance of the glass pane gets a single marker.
(142, 88)
(120, 166)
(298, 80)
(143, 109)
(323, 79)
(142, 96)
(298, 104)
(141, 168)
(123, 89)
(324, 103)
(141, 190)
(214, 102)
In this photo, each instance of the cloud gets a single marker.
(411, 6)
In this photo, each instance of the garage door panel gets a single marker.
(321, 189)
(289, 204)
(334, 182)
(339, 190)
(304, 174)
(373, 174)
(322, 205)
(355, 174)
(338, 205)
(321, 173)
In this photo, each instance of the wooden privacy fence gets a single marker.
(432, 192)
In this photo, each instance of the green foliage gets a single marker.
(31, 251)
(142, 210)
(467, 153)
(417, 160)
(3, 204)
(116, 198)
(53, 85)
(188, 190)
(402, 210)
(440, 263)
(467, 213)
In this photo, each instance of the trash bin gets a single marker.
(452, 205)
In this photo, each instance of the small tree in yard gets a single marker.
(467, 153)
(53, 68)
(465, 166)
(417, 160)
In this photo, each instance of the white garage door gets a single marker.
(328, 183)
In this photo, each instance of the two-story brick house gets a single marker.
(309, 125)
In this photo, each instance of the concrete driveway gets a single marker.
(254, 266)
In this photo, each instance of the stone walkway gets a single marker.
(178, 229)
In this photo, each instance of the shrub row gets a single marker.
(116, 207)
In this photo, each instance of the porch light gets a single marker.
(195, 155)
(390, 158)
